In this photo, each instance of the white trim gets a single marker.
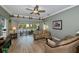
(6, 9)
(61, 10)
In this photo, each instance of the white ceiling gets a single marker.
(21, 9)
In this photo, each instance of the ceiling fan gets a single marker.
(36, 10)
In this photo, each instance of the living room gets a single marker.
(54, 31)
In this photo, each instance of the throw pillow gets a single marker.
(51, 43)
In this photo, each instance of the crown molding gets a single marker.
(6, 9)
(61, 11)
(46, 16)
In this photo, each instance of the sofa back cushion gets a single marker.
(68, 37)
(51, 43)
(67, 41)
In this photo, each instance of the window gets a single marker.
(27, 25)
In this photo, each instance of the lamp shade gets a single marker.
(14, 28)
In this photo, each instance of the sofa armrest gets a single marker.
(64, 48)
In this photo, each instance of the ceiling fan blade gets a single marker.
(29, 9)
(41, 10)
(31, 13)
(38, 13)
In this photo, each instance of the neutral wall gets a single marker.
(70, 22)
(4, 14)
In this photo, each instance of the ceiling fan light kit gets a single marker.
(35, 11)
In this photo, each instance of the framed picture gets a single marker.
(57, 24)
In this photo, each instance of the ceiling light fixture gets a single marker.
(35, 11)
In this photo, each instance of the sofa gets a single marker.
(63, 46)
